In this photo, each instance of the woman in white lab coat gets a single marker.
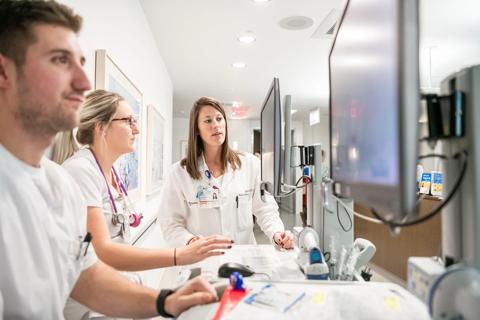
(215, 190)
(108, 130)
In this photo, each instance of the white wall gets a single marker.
(120, 27)
(241, 131)
(180, 132)
(318, 133)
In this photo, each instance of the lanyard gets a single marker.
(208, 174)
(117, 180)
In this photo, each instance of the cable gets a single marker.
(435, 211)
(303, 177)
(340, 222)
(284, 195)
(433, 155)
(359, 215)
(289, 186)
(326, 256)
(425, 139)
(263, 274)
(296, 186)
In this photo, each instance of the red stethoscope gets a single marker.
(118, 218)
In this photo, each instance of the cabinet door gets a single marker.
(151, 238)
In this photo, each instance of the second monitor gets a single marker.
(271, 140)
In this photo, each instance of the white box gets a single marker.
(422, 272)
(425, 183)
(436, 188)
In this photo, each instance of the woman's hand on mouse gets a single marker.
(284, 239)
(201, 248)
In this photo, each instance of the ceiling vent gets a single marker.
(326, 28)
(296, 23)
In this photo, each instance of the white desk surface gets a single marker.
(323, 299)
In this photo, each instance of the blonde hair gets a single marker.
(99, 108)
(195, 144)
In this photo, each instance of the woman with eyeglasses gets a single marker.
(108, 130)
(215, 190)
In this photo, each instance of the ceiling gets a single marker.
(198, 42)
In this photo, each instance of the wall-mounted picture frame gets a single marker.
(109, 76)
(183, 149)
(155, 154)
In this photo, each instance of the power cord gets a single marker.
(340, 222)
(263, 274)
(433, 155)
(366, 274)
(432, 213)
(295, 187)
(359, 215)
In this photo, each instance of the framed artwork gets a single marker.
(155, 154)
(109, 76)
(183, 149)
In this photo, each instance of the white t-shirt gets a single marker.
(42, 227)
(84, 169)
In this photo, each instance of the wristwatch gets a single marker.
(162, 296)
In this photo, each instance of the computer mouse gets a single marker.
(226, 269)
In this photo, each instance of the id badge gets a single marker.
(207, 197)
(209, 204)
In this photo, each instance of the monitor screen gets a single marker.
(373, 104)
(271, 142)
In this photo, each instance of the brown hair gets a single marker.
(17, 19)
(99, 107)
(195, 144)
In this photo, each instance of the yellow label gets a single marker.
(392, 303)
(319, 298)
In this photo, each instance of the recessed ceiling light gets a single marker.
(238, 65)
(246, 38)
(292, 111)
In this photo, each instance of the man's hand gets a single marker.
(284, 239)
(202, 248)
(195, 292)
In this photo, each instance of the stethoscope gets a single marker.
(118, 218)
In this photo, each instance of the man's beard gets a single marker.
(38, 119)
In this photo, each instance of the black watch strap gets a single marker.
(161, 303)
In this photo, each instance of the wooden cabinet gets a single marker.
(393, 251)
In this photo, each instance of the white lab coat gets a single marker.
(240, 198)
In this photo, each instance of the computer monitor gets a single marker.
(374, 99)
(271, 140)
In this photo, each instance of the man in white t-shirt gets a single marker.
(44, 247)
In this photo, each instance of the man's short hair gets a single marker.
(17, 18)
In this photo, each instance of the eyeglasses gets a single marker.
(132, 122)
